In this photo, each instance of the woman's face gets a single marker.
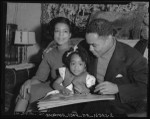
(61, 33)
(77, 66)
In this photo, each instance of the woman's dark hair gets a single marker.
(79, 51)
(53, 22)
(100, 26)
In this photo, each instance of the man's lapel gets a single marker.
(115, 63)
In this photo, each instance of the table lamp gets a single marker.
(24, 39)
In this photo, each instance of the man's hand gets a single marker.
(106, 88)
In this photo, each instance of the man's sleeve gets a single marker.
(138, 76)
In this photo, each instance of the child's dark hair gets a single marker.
(79, 51)
(100, 26)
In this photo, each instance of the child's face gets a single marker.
(77, 66)
(62, 33)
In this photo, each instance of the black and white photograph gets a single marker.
(75, 59)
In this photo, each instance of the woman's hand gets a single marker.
(65, 91)
(25, 88)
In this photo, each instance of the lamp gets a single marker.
(24, 38)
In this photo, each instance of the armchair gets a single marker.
(73, 41)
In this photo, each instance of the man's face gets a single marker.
(97, 43)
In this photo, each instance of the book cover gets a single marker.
(56, 100)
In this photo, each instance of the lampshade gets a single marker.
(24, 38)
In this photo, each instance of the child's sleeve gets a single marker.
(90, 80)
(62, 71)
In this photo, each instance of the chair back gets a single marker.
(52, 44)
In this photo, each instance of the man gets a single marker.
(120, 70)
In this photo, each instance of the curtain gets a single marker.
(79, 14)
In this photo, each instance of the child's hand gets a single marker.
(82, 93)
(81, 89)
(65, 91)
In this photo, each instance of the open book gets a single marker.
(56, 100)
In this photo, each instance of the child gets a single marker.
(74, 78)
(36, 88)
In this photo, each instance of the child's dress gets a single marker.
(90, 81)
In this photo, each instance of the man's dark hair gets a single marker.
(100, 26)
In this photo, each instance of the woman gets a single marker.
(35, 88)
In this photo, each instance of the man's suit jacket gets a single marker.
(127, 68)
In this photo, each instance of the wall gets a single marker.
(27, 17)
